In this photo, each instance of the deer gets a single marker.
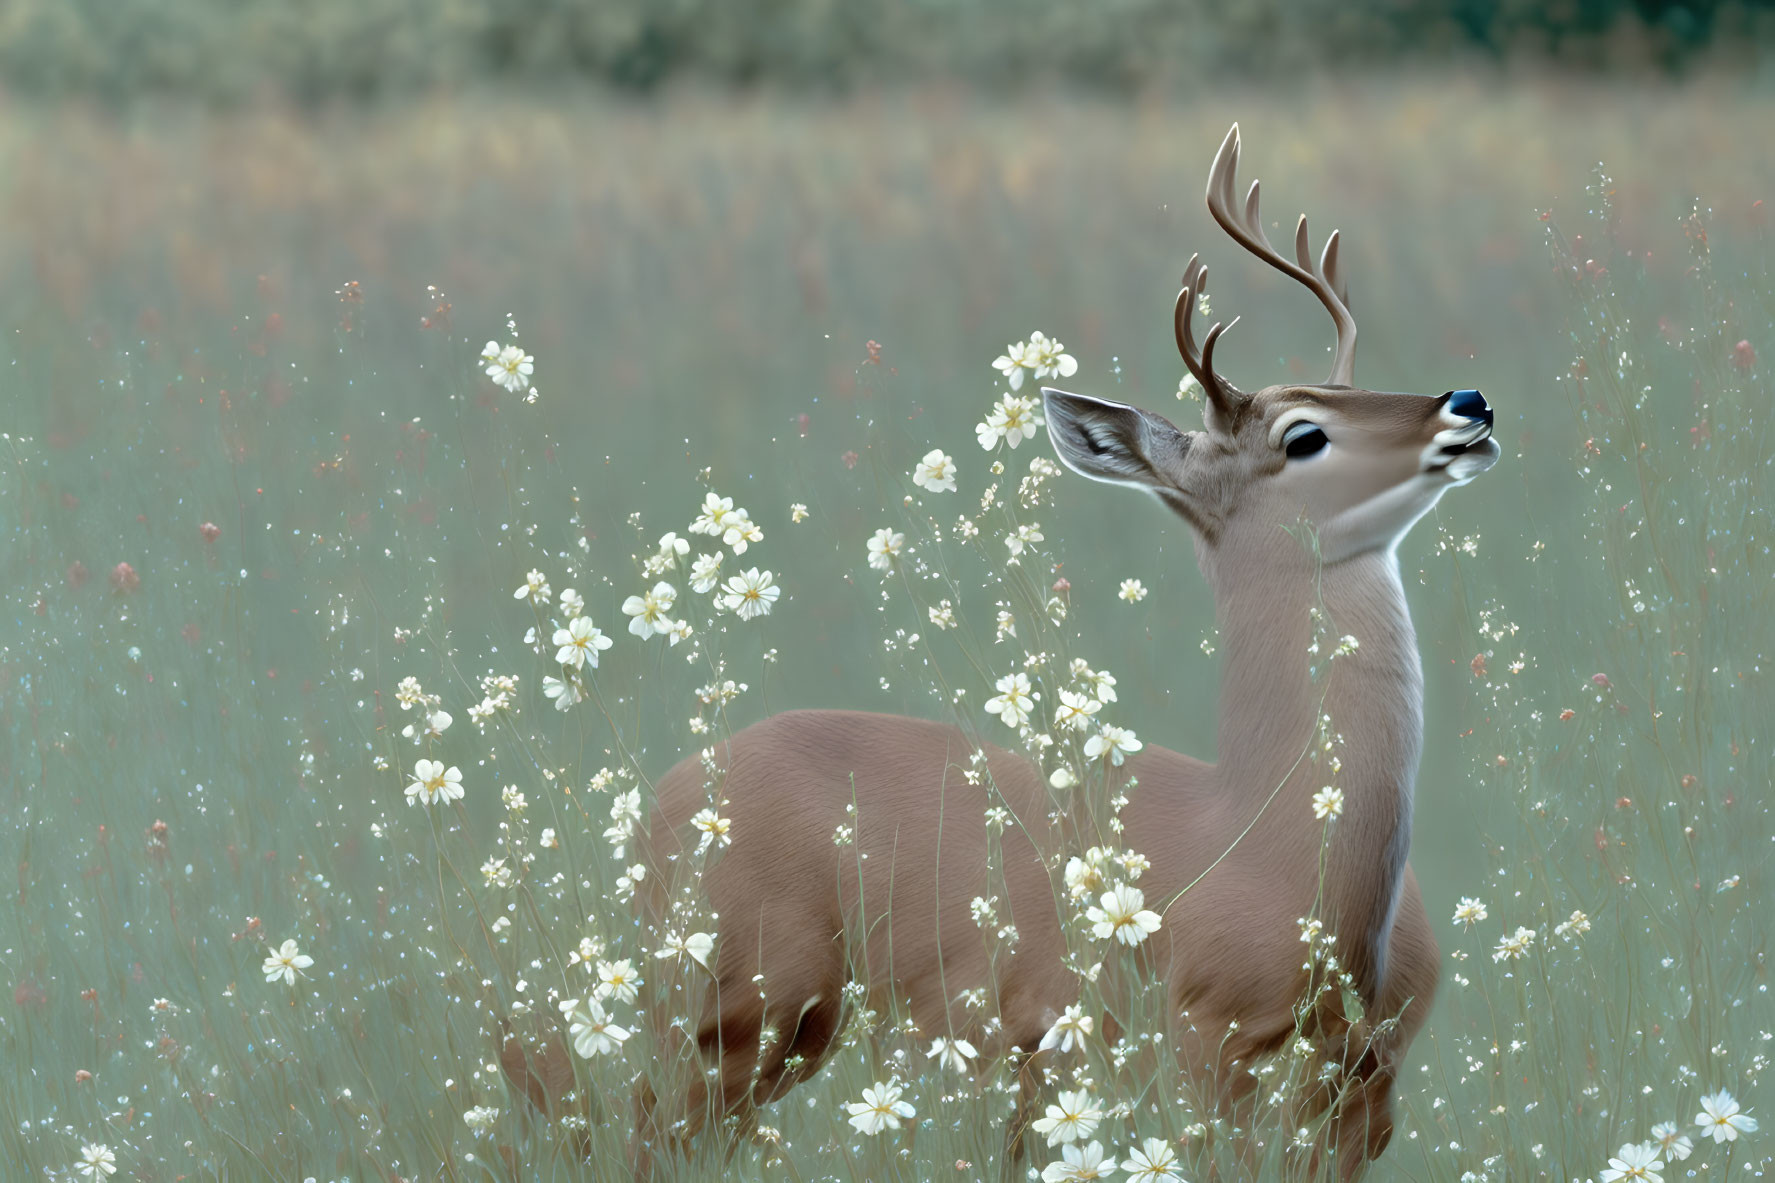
(1234, 845)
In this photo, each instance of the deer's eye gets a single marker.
(1303, 439)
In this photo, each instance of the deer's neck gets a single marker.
(1274, 692)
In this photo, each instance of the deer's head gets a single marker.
(1360, 466)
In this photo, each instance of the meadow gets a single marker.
(267, 515)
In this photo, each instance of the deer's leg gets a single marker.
(762, 1041)
(1362, 1124)
(1215, 1056)
(807, 1021)
(645, 1136)
(669, 1105)
(1362, 1121)
(679, 1095)
(1028, 1066)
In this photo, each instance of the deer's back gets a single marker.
(894, 889)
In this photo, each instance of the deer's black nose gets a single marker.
(1469, 404)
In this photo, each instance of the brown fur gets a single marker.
(1279, 540)
(792, 904)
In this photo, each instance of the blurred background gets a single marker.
(251, 253)
(337, 50)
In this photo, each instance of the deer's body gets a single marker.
(799, 915)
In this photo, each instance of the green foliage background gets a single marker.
(331, 50)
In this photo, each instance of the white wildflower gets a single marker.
(1515, 946)
(1012, 363)
(96, 1161)
(1672, 1141)
(1112, 743)
(1154, 1162)
(705, 573)
(1012, 419)
(590, 1029)
(716, 830)
(1634, 1161)
(1048, 358)
(1469, 911)
(509, 367)
(885, 546)
(650, 612)
(1014, 701)
(286, 963)
(1575, 925)
(618, 980)
(697, 946)
(671, 549)
(536, 588)
(579, 643)
(1075, 710)
(935, 472)
(712, 520)
(741, 531)
(432, 783)
(1072, 1118)
(1101, 683)
(1025, 534)
(1068, 1031)
(1123, 916)
(880, 1109)
(951, 1053)
(751, 594)
(1328, 803)
(1079, 1163)
(564, 693)
(1722, 1120)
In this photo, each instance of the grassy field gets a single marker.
(255, 479)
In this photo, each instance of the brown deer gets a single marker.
(799, 917)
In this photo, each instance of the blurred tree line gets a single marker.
(316, 51)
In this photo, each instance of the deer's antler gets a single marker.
(1225, 397)
(1247, 228)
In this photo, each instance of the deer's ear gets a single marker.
(1115, 442)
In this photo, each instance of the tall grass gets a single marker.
(1621, 717)
(318, 498)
